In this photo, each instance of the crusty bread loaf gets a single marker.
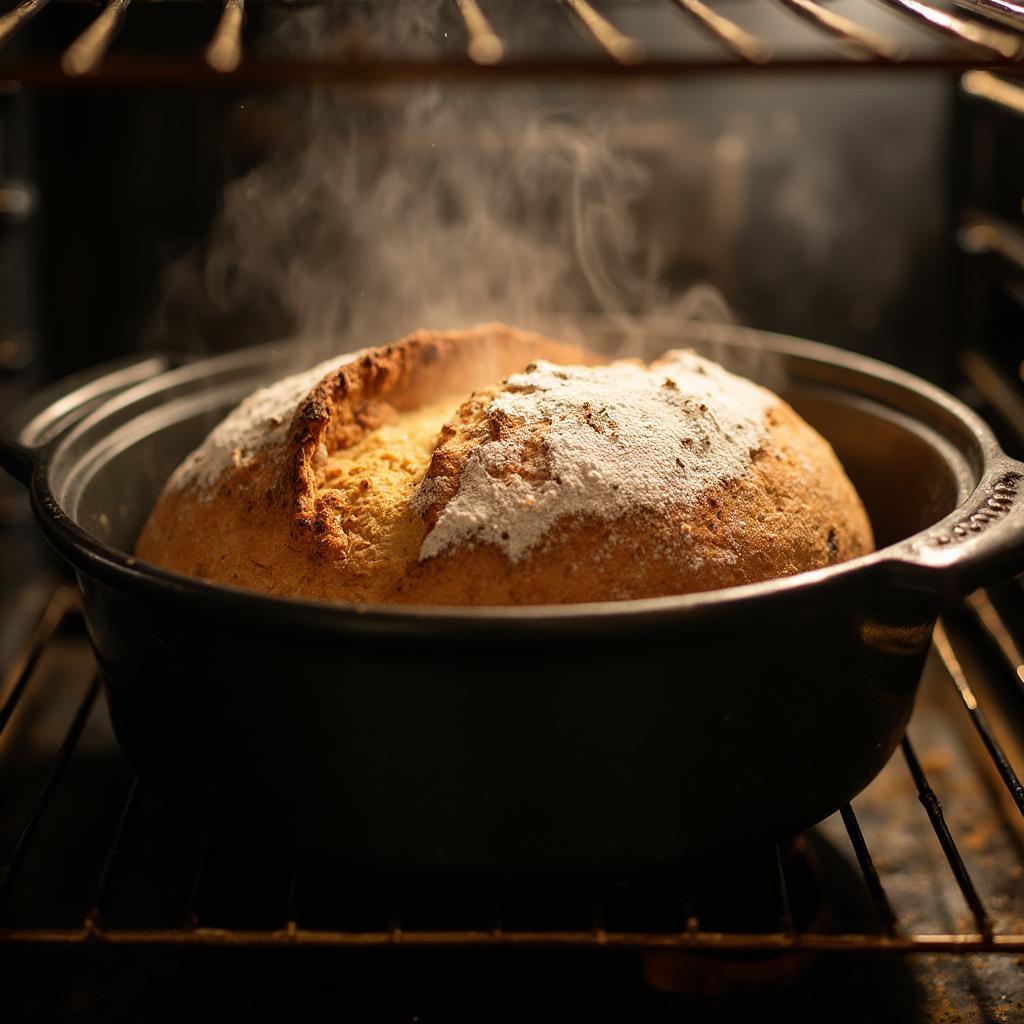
(496, 466)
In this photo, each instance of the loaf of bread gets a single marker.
(496, 467)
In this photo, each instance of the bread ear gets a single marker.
(329, 418)
(423, 367)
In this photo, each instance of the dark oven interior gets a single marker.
(197, 177)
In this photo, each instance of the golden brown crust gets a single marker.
(270, 525)
(328, 516)
(357, 397)
(795, 510)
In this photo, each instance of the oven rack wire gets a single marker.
(956, 35)
(63, 614)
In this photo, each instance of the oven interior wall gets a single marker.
(818, 206)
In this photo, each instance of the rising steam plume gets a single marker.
(439, 206)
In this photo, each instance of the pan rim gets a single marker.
(111, 564)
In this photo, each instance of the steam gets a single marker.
(379, 213)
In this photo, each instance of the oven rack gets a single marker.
(487, 40)
(62, 616)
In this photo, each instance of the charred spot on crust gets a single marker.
(833, 546)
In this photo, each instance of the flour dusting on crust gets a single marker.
(612, 439)
(259, 421)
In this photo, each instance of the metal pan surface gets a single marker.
(603, 738)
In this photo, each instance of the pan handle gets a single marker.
(31, 429)
(981, 543)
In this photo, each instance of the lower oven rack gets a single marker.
(789, 933)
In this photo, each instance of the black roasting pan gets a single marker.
(616, 737)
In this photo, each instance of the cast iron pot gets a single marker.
(615, 737)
